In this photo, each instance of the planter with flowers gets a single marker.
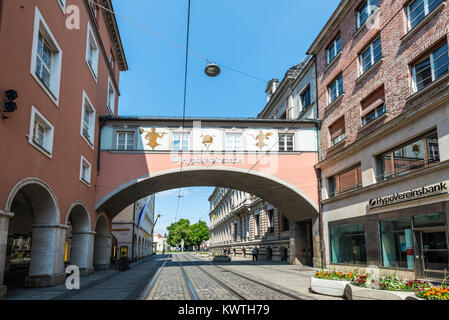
(330, 283)
(433, 293)
(388, 287)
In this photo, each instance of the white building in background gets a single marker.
(159, 243)
(134, 240)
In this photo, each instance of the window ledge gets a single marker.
(90, 143)
(85, 182)
(336, 146)
(337, 100)
(416, 28)
(363, 128)
(431, 86)
(41, 149)
(369, 71)
(92, 71)
(334, 61)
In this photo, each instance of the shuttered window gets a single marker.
(347, 181)
(373, 106)
(337, 131)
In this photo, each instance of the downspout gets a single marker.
(318, 171)
(102, 122)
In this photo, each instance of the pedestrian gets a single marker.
(254, 253)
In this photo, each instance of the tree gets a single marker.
(200, 233)
(179, 230)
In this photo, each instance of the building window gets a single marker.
(419, 9)
(46, 58)
(270, 221)
(285, 224)
(370, 56)
(347, 181)
(397, 240)
(41, 132)
(256, 223)
(85, 171)
(94, 8)
(111, 97)
(337, 131)
(366, 11)
(335, 89)
(286, 142)
(180, 141)
(431, 68)
(333, 50)
(112, 61)
(305, 98)
(373, 106)
(125, 141)
(348, 244)
(62, 3)
(414, 155)
(92, 52)
(88, 120)
(234, 142)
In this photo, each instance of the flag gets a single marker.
(142, 212)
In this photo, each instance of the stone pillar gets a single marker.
(47, 256)
(4, 227)
(102, 252)
(82, 250)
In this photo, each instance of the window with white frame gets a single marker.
(430, 68)
(371, 55)
(335, 89)
(365, 11)
(92, 52)
(111, 97)
(417, 10)
(286, 142)
(333, 50)
(234, 142)
(125, 140)
(46, 58)
(85, 171)
(62, 3)
(88, 120)
(41, 132)
(180, 141)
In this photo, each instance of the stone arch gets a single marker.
(293, 202)
(102, 244)
(35, 236)
(79, 237)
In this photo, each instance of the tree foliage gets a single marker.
(193, 235)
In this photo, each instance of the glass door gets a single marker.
(433, 253)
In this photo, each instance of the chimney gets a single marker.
(271, 88)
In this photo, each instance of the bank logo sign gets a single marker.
(415, 194)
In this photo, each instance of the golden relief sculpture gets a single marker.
(260, 138)
(152, 137)
(208, 140)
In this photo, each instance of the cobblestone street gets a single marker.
(187, 277)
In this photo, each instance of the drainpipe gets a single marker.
(102, 122)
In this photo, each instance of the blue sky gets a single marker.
(259, 37)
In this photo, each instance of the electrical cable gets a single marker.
(177, 44)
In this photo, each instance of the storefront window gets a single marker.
(429, 220)
(348, 244)
(397, 243)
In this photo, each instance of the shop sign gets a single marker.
(415, 194)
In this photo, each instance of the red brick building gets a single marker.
(382, 79)
(65, 77)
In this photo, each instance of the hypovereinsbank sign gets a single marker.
(414, 194)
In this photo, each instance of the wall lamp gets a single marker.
(9, 105)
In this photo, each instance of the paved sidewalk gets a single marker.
(277, 274)
(101, 285)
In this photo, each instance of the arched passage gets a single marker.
(102, 244)
(79, 238)
(293, 202)
(35, 237)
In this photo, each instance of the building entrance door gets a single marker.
(432, 253)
